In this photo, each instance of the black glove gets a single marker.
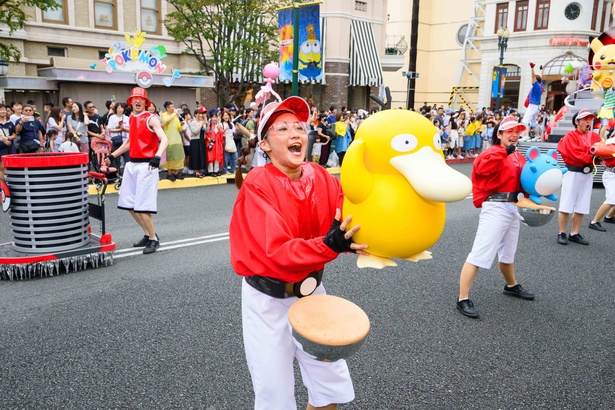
(110, 157)
(335, 239)
(154, 162)
(510, 149)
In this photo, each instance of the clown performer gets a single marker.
(576, 192)
(139, 190)
(285, 227)
(495, 189)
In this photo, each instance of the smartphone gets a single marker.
(29, 118)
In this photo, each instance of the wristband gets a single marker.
(154, 162)
(335, 239)
(111, 157)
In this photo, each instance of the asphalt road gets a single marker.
(164, 331)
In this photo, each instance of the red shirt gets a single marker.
(278, 224)
(143, 141)
(495, 171)
(574, 147)
(609, 162)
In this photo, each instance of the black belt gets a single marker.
(503, 197)
(280, 290)
(585, 169)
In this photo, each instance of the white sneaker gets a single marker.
(460, 157)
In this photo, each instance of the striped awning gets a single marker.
(365, 68)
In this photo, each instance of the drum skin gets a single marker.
(328, 327)
(533, 214)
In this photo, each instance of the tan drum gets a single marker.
(534, 214)
(328, 327)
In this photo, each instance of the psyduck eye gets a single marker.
(436, 142)
(404, 142)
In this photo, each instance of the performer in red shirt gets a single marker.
(608, 180)
(139, 192)
(577, 184)
(285, 227)
(496, 187)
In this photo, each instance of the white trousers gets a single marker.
(608, 180)
(576, 193)
(271, 350)
(497, 233)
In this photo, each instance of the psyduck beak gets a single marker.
(431, 178)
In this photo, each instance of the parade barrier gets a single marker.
(47, 194)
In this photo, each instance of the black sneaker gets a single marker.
(518, 292)
(610, 220)
(562, 239)
(596, 226)
(578, 239)
(466, 307)
(143, 242)
(171, 177)
(152, 245)
(180, 176)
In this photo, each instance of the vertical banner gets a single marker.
(310, 49)
(498, 82)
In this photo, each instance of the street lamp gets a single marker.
(503, 35)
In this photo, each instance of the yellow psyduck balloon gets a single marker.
(395, 183)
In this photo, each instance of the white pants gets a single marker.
(271, 350)
(497, 233)
(576, 193)
(139, 190)
(608, 180)
(531, 115)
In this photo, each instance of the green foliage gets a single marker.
(233, 39)
(13, 15)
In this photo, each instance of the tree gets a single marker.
(233, 39)
(12, 13)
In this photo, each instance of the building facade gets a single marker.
(84, 50)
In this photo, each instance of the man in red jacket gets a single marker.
(577, 184)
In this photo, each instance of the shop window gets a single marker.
(501, 16)
(150, 16)
(58, 15)
(521, 10)
(102, 54)
(104, 14)
(56, 52)
(360, 5)
(542, 14)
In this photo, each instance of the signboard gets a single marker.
(310, 45)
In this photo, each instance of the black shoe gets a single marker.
(143, 242)
(466, 307)
(171, 177)
(596, 226)
(518, 292)
(152, 245)
(578, 239)
(180, 176)
(610, 220)
(562, 239)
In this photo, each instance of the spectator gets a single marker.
(7, 136)
(57, 122)
(70, 144)
(343, 137)
(110, 105)
(198, 130)
(118, 128)
(30, 131)
(230, 148)
(175, 151)
(215, 146)
(67, 104)
(50, 137)
(185, 118)
(47, 110)
(78, 124)
(95, 128)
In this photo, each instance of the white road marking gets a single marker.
(182, 243)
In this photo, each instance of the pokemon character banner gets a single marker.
(310, 45)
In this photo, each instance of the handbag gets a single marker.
(117, 140)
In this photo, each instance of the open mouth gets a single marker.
(295, 149)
